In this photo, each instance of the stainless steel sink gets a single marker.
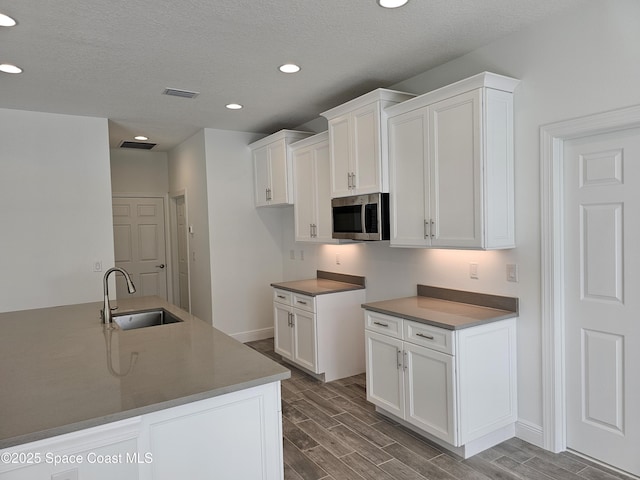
(149, 318)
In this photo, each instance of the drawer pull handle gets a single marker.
(282, 296)
(303, 303)
(381, 324)
(428, 337)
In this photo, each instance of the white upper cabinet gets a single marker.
(358, 143)
(312, 199)
(451, 166)
(273, 183)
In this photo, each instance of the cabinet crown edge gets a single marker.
(481, 80)
(312, 140)
(291, 135)
(380, 94)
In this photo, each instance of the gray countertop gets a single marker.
(61, 370)
(317, 286)
(324, 283)
(450, 309)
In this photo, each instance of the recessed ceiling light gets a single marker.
(142, 138)
(234, 106)
(8, 68)
(289, 68)
(6, 21)
(392, 3)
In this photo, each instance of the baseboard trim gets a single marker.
(530, 432)
(253, 335)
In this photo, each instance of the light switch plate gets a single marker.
(473, 271)
(512, 272)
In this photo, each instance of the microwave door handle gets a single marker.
(364, 218)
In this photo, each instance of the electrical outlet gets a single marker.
(66, 475)
(97, 266)
(512, 272)
(301, 254)
(473, 271)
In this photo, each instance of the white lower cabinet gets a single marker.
(322, 334)
(233, 436)
(456, 386)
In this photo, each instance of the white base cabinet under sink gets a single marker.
(322, 334)
(237, 435)
(457, 387)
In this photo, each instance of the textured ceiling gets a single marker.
(114, 58)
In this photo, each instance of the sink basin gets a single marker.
(149, 318)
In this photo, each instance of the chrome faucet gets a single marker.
(107, 318)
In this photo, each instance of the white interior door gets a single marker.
(602, 297)
(139, 242)
(182, 255)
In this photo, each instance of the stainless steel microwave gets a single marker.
(361, 217)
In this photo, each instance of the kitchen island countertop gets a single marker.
(61, 370)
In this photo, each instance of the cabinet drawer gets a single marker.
(282, 296)
(386, 324)
(304, 302)
(436, 338)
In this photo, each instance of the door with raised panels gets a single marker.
(139, 243)
(283, 332)
(602, 300)
(429, 391)
(385, 378)
(304, 337)
(455, 127)
(340, 145)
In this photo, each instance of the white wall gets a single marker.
(139, 171)
(245, 242)
(188, 172)
(55, 209)
(580, 63)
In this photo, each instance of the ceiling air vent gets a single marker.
(138, 145)
(174, 92)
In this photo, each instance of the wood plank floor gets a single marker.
(332, 433)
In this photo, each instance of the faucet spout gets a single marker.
(107, 318)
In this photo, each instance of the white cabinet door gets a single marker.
(365, 163)
(429, 391)
(385, 378)
(279, 193)
(408, 174)
(340, 144)
(312, 192)
(304, 349)
(455, 127)
(283, 334)
(261, 175)
(323, 226)
(304, 193)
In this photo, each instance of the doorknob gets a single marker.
(160, 266)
